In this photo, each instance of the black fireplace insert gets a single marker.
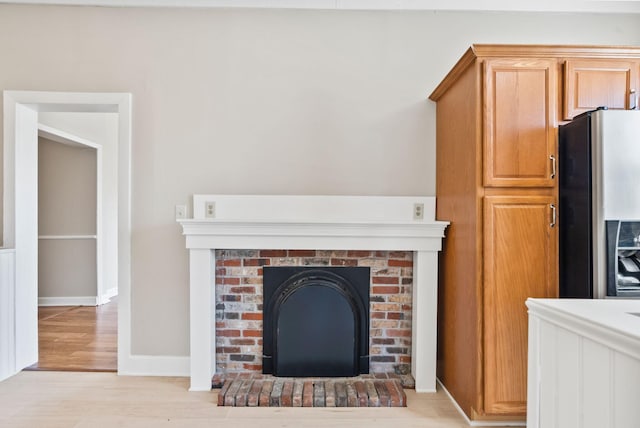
(316, 321)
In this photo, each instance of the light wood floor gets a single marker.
(84, 338)
(47, 399)
(77, 338)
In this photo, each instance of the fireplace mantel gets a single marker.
(318, 236)
(319, 223)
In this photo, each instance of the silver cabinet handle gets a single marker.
(553, 166)
(633, 99)
(553, 215)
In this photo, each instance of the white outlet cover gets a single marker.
(181, 212)
(210, 209)
(418, 211)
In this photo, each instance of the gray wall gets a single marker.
(66, 207)
(261, 102)
(100, 129)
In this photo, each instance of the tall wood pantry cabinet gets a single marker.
(498, 112)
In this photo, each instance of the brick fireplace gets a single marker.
(232, 236)
(239, 291)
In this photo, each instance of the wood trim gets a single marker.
(480, 191)
(477, 51)
(555, 51)
(454, 74)
(507, 420)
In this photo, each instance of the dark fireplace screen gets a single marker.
(316, 321)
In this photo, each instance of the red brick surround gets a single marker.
(239, 304)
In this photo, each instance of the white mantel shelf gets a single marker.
(316, 223)
(313, 235)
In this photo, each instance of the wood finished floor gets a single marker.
(77, 338)
(84, 339)
(47, 399)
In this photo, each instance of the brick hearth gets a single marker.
(252, 390)
(239, 304)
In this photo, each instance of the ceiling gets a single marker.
(603, 6)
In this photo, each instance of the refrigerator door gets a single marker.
(575, 220)
(617, 156)
(615, 149)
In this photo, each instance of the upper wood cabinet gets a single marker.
(591, 83)
(520, 123)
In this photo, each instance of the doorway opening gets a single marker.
(23, 111)
(77, 323)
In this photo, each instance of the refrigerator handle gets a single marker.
(553, 215)
(553, 166)
(633, 99)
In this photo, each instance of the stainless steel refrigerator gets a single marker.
(599, 206)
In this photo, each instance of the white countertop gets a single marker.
(603, 320)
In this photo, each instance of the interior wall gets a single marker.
(261, 102)
(66, 189)
(67, 180)
(101, 129)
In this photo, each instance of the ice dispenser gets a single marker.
(623, 258)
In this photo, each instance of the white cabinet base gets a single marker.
(584, 364)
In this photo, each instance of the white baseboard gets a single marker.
(107, 296)
(482, 423)
(68, 301)
(152, 365)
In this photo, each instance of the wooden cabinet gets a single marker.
(497, 116)
(519, 262)
(591, 83)
(520, 116)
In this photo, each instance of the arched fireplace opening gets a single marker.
(316, 321)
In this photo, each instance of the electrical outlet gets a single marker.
(209, 209)
(418, 211)
(181, 212)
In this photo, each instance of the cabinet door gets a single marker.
(520, 122)
(591, 83)
(520, 247)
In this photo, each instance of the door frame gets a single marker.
(20, 217)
